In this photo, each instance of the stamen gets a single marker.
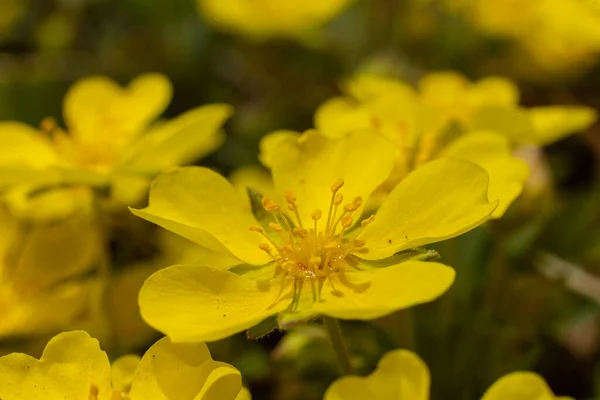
(301, 232)
(276, 227)
(367, 221)
(358, 243)
(338, 199)
(316, 215)
(269, 205)
(311, 254)
(330, 215)
(354, 205)
(262, 232)
(290, 197)
(337, 185)
(347, 221)
(267, 249)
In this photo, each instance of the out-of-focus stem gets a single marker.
(339, 346)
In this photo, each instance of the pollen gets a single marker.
(311, 252)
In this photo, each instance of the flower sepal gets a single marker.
(262, 329)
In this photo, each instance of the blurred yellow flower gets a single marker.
(42, 288)
(552, 35)
(110, 140)
(401, 374)
(74, 367)
(427, 125)
(268, 18)
(449, 116)
(310, 256)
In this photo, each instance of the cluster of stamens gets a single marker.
(315, 251)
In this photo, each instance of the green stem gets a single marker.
(337, 340)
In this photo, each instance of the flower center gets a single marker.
(315, 251)
(97, 156)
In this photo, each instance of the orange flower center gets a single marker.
(315, 251)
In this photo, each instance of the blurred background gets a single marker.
(527, 294)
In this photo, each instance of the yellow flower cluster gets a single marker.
(401, 374)
(74, 367)
(332, 230)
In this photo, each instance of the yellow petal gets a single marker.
(513, 123)
(520, 386)
(97, 107)
(554, 123)
(173, 371)
(376, 292)
(202, 206)
(268, 145)
(26, 156)
(341, 115)
(122, 372)
(492, 152)
(438, 201)
(51, 253)
(129, 329)
(400, 374)
(192, 303)
(444, 89)
(21, 145)
(256, 178)
(54, 310)
(244, 395)
(128, 188)
(180, 141)
(179, 250)
(71, 367)
(310, 165)
(494, 90)
(33, 203)
(368, 87)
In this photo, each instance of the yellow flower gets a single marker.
(269, 18)
(313, 253)
(41, 269)
(429, 124)
(110, 141)
(553, 35)
(73, 367)
(401, 374)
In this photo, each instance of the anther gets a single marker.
(316, 215)
(265, 247)
(290, 197)
(358, 243)
(301, 232)
(276, 227)
(367, 221)
(347, 221)
(339, 198)
(337, 185)
(256, 229)
(354, 205)
(269, 205)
